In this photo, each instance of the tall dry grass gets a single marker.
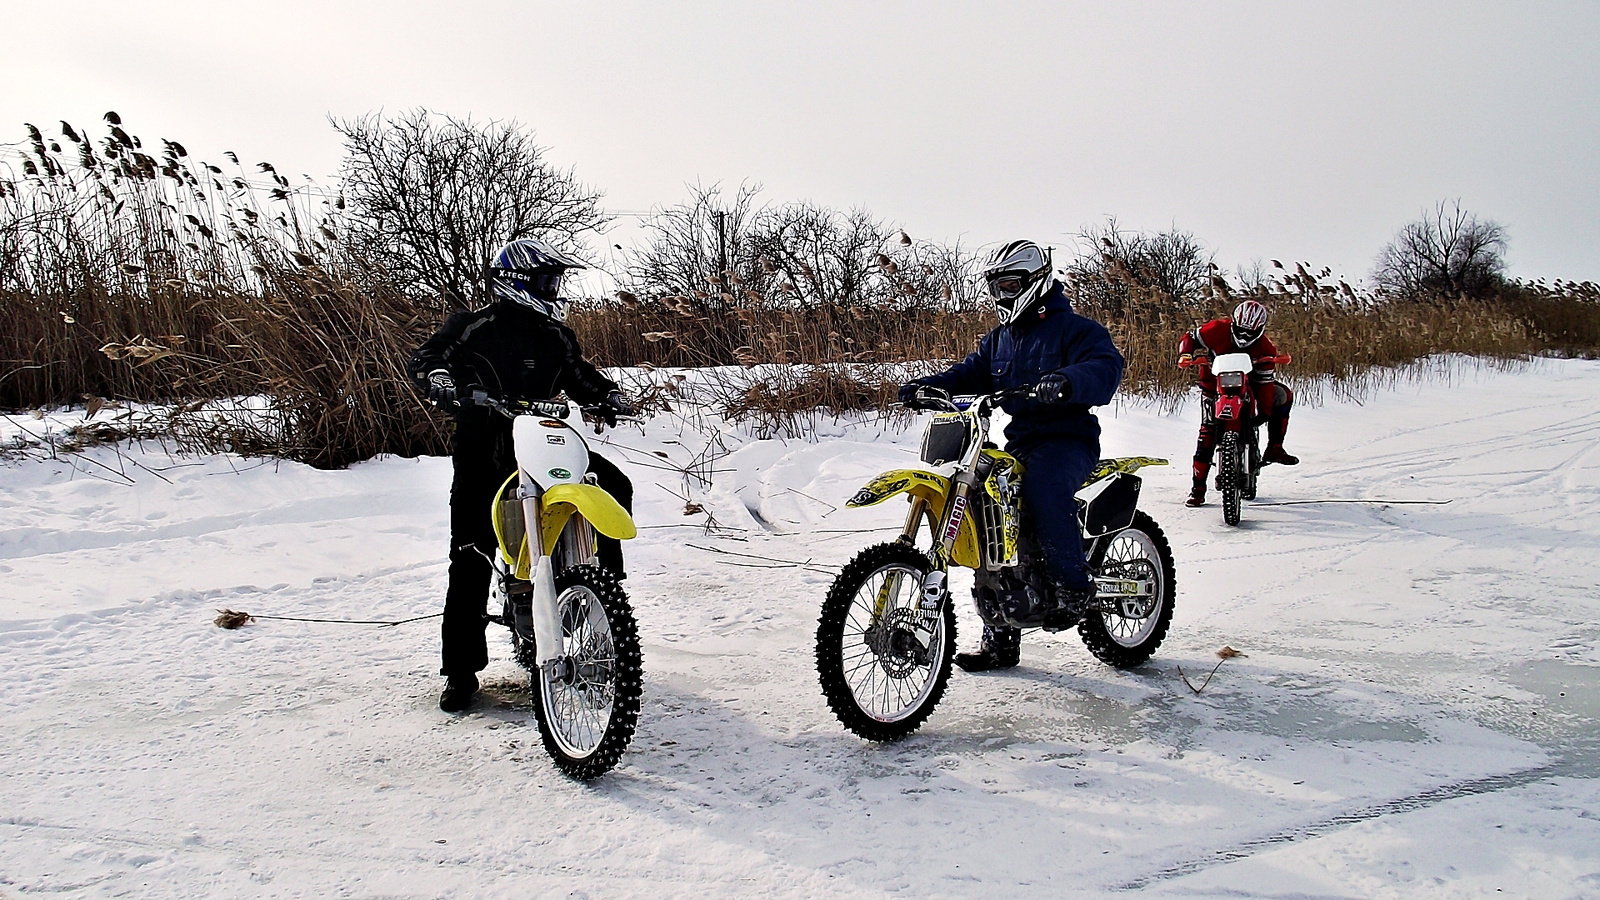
(134, 273)
(128, 273)
(1340, 338)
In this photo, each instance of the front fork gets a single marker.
(532, 604)
(934, 591)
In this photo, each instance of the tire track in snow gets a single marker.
(1412, 803)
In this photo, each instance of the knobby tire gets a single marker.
(626, 682)
(830, 651)
(1228, 476)
(1094, 630)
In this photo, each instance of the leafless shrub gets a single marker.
(1113, 264)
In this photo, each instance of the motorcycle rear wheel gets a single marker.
(879, 677)
(1228, 476)
(587, 711)
(1141, 551)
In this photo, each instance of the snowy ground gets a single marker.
(1416, 715)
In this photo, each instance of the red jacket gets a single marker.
(1197, 348)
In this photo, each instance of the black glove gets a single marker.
(1053, 388)
(907, 392)
(441, 388)
(609, 409)
(619, 403)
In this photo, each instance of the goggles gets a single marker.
(1007, 285)
(545, 283)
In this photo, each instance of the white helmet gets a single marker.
(529, 271)
(1249, 322)
(1018, 277)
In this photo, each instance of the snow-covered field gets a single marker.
(1416, 716)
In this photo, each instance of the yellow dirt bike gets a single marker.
(887, 633)
(571, 625)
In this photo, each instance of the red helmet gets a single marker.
(1249, 322)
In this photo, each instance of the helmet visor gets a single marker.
(1244, 337)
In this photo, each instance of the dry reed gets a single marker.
(134, 275)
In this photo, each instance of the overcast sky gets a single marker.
(1305, 131)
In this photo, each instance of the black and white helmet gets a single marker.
(1017, 277)
(529, 271)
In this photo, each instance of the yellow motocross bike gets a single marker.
(887, 633)
(571, 625)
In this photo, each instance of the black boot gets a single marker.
(1001, 649)
(1072, 603)
(458, 691)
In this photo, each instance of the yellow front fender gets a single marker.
(598, 507)
(931, 487)
(927, 485)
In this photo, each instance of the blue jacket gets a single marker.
(1053, 339)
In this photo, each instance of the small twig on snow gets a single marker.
(1226, 653)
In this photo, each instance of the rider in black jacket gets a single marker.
(517, 349)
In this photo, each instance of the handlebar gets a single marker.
(932, 398)
(600, 414)
(558, 409)
(1282, 359)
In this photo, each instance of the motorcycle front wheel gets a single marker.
(1228, 475)
(882, 660)
(1130, 633)
(587, 700)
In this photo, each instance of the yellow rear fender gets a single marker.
(930, 486)
(1126, 465)
(598, 507)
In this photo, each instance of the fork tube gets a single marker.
(919, 505)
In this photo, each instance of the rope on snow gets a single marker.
(232, 618)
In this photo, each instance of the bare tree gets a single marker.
(1447, 252)
(715, 250)
(431, 197)
(695, 245)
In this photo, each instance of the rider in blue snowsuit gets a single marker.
(1040, 341)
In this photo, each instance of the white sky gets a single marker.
(1307, 131)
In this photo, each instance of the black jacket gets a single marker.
(514, 352)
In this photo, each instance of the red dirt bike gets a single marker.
(1239, 424)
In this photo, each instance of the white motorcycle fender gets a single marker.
(546, 619)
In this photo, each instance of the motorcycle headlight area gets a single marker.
(1231, 379)
(945, 439)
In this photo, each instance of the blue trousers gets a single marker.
(1053, 471)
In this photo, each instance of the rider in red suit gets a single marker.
(1245, 332)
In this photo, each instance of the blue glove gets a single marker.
(1054, 388)
(441, 388)
(907, 392)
